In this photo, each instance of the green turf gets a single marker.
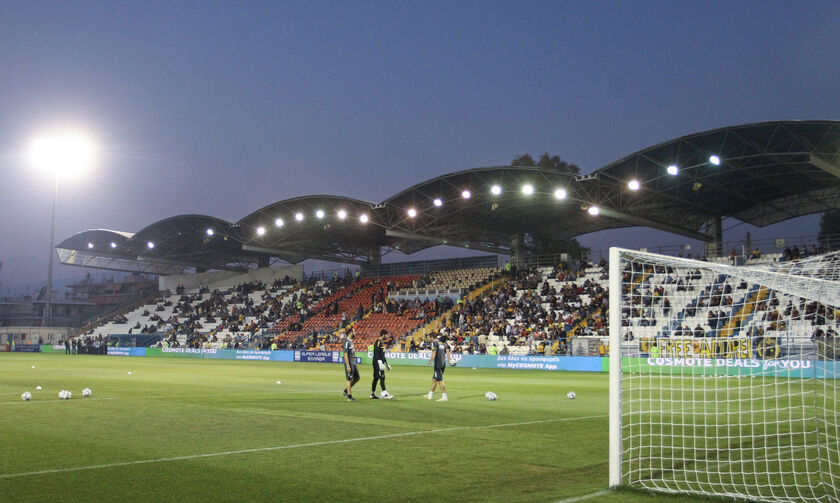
(307, 443)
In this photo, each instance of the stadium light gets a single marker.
(673, 170)
(560, 194)
(319, 214)
(633, 185)
(299, 216)
(527, 189)
(412, 212)
(466, 194)
(63, 153)
(495, 190)
(714, 160)
(113, 244)
(90, 245)
(279, 222)
(363, 218)
(342, 214)
(210, 232)
(594, 211)
(60, 154)
(260, 231)
(437, 202)
(150, 245)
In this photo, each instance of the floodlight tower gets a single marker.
(59, 154)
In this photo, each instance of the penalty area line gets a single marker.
(291, 446)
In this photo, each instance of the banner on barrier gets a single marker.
(322, 357)
(572, 363)
(222, 354)
(26, 348)
(783, 367)
(5, 348)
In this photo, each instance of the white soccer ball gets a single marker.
(452, 362)
(68, 394)
(38, 388)
(490, 395)
(571, 395)
(86, 392)
(26, 396)
(62, 394)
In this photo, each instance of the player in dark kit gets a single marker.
(351, 371)
(440, 353)
(379, 365)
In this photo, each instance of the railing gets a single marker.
(743, 247)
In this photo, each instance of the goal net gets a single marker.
(724, 378)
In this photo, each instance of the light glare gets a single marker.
(62, 153)
(279, 222)
(299, 217)
(210, 232)
(528, 189)
(673, 170)
(633, 185)
(260, 231)
(90, 245)
(714, 160)
(466, 194)
(594, 211)
(438, 202)
(150, 245)
(363, 218)
(560, 194)
(496, 190)
(412, 212)
(319, 213)
(342, 214)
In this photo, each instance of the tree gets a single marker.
(546, 161)
(829, 235)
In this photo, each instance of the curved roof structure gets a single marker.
(758, 173)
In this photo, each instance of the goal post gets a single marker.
(724, 378)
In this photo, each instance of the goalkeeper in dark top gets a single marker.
(351, 371)
(379, 365)
(440, 355)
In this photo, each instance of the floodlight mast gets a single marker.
(46, 319)
(59, 154)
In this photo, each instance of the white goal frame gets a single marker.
(815, 280)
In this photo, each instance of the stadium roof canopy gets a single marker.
(757, 173)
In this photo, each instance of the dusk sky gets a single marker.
(220, 108)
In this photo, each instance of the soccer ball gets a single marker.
(490, 395)
(38, 388)
(86, 392)
(452, 362)
(571, 395)
(64, 394)
(26, 396)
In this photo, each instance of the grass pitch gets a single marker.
(215, 430)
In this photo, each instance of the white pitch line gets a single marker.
(585, 496)
(292, 446)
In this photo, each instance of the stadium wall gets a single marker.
(568, 363)
(220, 279)
(733, 367)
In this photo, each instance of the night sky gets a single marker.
(222, 108)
